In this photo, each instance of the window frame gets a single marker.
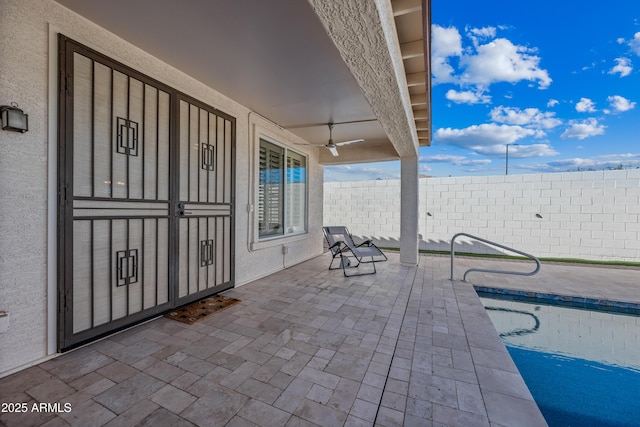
(259, 241)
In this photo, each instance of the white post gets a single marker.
(409, 211)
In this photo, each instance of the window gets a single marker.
(282, 191)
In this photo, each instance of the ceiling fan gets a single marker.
(332, 146)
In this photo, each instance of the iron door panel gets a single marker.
(205, 198)
(128, 249)
(114, 208)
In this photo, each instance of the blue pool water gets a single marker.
(579, 392)
(582, 367)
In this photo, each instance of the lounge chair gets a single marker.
(342, 247)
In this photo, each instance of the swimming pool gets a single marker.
(581, 366)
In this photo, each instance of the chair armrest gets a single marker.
(337, 245)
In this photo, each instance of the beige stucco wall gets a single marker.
(27, 161)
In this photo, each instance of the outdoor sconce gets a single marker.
(538, 215)
(14, 118)
(429, 214)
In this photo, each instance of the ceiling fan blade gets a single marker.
(333, 150)
(339, 144)
(309, 145)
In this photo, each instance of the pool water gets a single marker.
(579, 392)
(581, 366)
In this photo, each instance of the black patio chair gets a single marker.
(342, 247)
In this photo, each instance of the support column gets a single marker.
(409, 211)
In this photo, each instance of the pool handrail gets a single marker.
(485, 270)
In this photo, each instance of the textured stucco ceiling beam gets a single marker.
(365, 35)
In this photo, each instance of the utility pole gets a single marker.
(506, 163)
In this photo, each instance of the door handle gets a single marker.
(180, 210)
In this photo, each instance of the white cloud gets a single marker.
(622, 67)
(491, 139)
(442, 158)
(485, 32)
(478, 34)
(424, 168)
(467, 97)
(477, 162)
(618, 157)
(497, 60)
(484, 135)
(455, 160)
(585, 106)
(583, 129)
(502, 61)
(620, 104)
(534, 150)
(528, 117)
(634, 44)
(519, 151)
(445, 43)
(552, 103)
(609, 161)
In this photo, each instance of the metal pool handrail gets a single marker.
(464, 277)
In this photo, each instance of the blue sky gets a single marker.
(561, 79)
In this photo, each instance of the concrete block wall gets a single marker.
(367, 208)
(585, 215)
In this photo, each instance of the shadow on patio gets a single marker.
(305, 346)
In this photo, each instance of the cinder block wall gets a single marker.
(586, 215)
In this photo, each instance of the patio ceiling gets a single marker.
(299, 64)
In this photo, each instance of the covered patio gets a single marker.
(305, 346)
(175, 152)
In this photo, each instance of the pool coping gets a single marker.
(597, 304)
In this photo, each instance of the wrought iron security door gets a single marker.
(205, 200)
(145, 197)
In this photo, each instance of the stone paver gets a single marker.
(307, 347)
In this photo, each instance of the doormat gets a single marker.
(201, 309)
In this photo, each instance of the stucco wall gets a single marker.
(27, 173)
(586, 215)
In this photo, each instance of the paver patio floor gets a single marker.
(305, 347)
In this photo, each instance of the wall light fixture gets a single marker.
(13, 118)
